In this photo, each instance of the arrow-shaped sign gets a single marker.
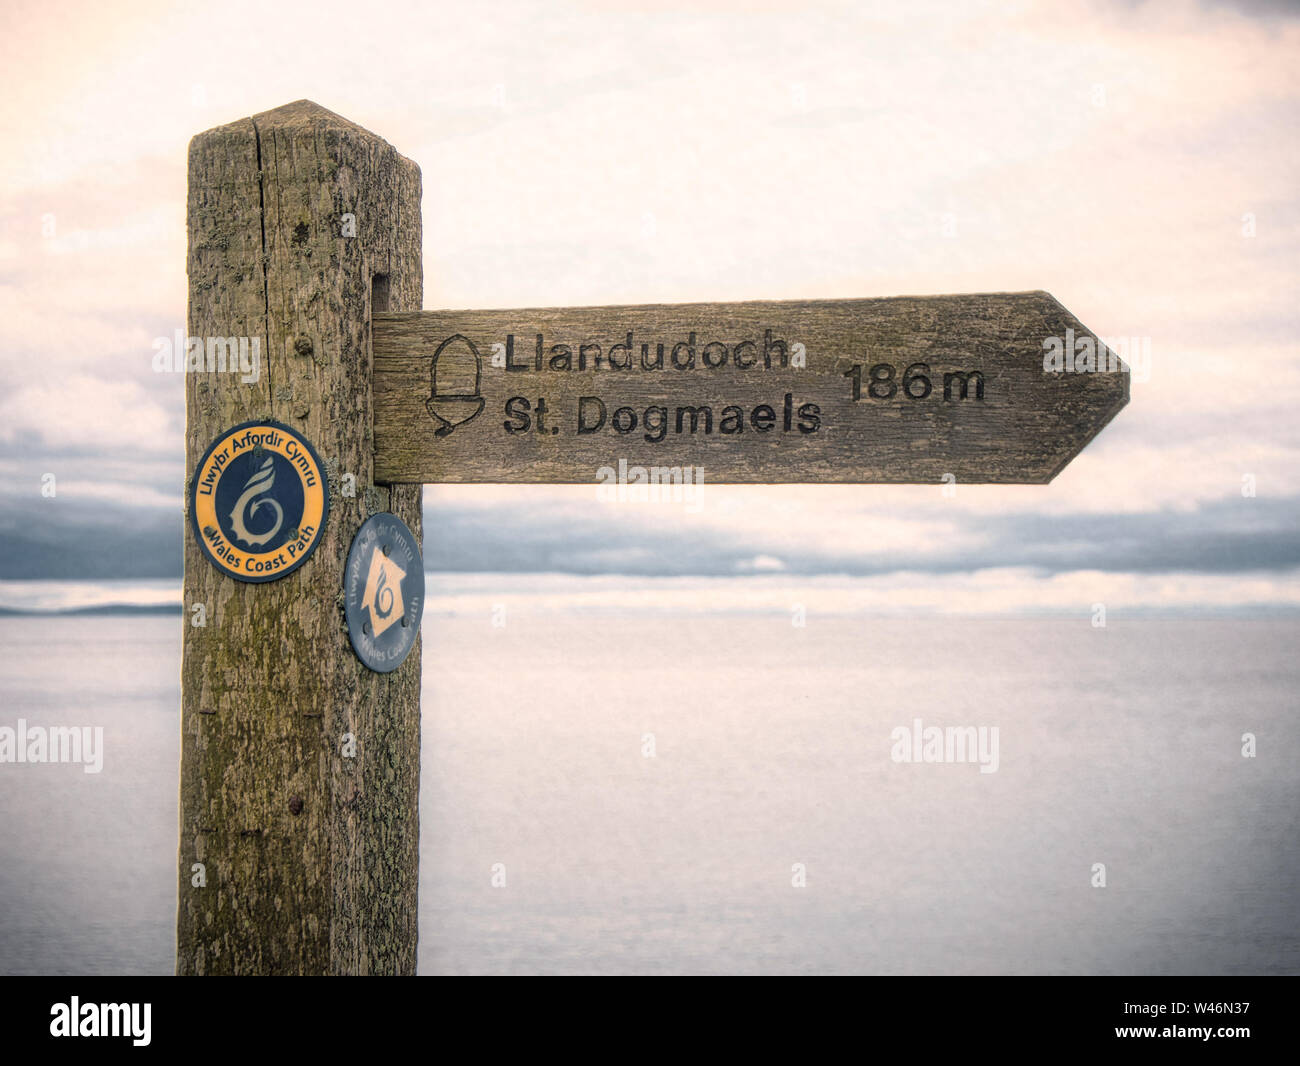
(1001, 387)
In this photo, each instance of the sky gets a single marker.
(1138, 161)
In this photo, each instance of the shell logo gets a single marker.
(259, 499)
(454, 373)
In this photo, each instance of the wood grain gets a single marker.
(311, 858)
(1026, 427)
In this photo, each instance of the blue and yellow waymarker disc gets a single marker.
(258, 501)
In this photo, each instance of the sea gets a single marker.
(702, 776)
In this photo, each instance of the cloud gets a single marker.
(112, 415)
(106, 530)
(1229, 536)
(75, 540)
(1108, 153)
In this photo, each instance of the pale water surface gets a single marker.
(771, 747)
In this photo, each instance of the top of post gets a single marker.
(306, 114)
(301, 115)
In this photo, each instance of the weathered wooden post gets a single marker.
(296, 856)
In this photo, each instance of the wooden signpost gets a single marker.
(901, 390)
(299, 765)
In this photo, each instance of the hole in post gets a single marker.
(379, 292)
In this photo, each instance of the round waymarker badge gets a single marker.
(258, 501)
(383, 592)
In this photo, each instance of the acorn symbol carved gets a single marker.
(455, 371)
